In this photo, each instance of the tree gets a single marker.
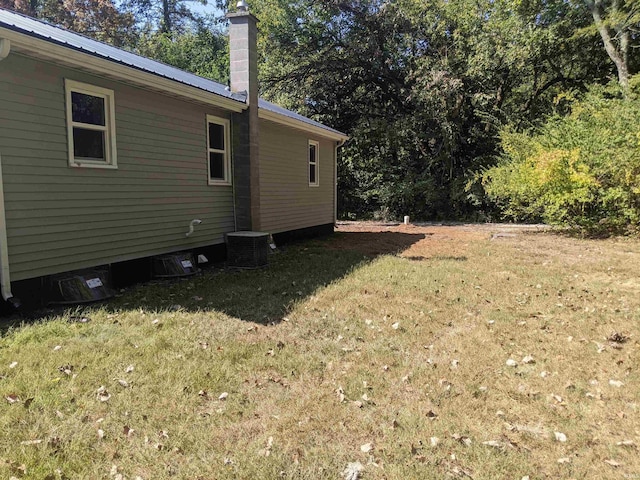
(618, 23)
(99, 19)
(164, 16)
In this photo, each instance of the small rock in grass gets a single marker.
(395, 326)
(626, 443)
(434, 441)
(511, 363)
(564, 460)
(528, 359)
(223, 396)
(612, 463)
(13, 364)
(616, 383)
(366, 448)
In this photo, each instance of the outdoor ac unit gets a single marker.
(173, 265)
(82, 286)
(247, 249)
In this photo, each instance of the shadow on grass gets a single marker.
(263, 296)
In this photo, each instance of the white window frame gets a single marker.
(316, 163)
(111, 160)
(226, 152)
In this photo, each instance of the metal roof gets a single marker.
(50, 33)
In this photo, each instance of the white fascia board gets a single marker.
(300, 125)
(43, 49)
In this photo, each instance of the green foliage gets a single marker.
(582, 170)
(203, 51)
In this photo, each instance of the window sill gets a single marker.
(219, 183)
(81, 164)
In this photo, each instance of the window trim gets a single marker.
(316, 163)
(111, 158)
(226, 124)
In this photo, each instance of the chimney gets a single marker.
(243, 49)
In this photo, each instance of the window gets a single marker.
(218, 151)
(314, 179)
(90, 126)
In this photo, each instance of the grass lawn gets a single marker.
(384, 352)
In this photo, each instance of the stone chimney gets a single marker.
(243, 47)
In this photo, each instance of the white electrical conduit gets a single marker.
(5, 274)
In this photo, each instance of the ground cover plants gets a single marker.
(384, 352)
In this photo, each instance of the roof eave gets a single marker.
(300, 125)
(86, 61)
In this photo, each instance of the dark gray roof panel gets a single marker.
(39, 29)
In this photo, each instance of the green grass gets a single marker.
(332, 348)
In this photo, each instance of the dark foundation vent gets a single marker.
(83, 286)
(173, 265)
(247, 249)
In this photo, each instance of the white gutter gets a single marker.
(335, 181)
(5, 274)
(5, 48)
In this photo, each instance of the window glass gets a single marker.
(216, 165)
(88, 143)
(87, 108)
(216, 136)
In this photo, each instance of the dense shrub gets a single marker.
(581, 170)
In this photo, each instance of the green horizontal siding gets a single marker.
(62, 218)
(287, 202)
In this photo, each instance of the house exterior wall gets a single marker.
(62, 218)
(287, 201)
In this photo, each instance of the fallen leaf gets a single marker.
(616, 383)
(462, 439)
(127, 431)
(353, 470)
(564, 460)
(366, 448)
(560, 437)
(528, 359)
(613, 463)
(31, 442)
(626, 443)
(493, 443)
(28, 402)
(12, 398)
(617, 337)
(102, 394)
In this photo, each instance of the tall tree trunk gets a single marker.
(167, 26)
(620, 55)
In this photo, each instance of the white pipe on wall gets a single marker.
(5, 273)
